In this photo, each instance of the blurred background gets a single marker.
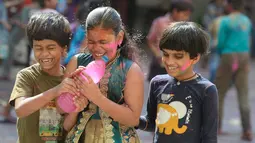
(137, 16)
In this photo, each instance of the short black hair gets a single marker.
(181, 5)
(236, 4)
(185, 36)
(52, 26)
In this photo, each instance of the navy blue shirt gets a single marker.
(181, 112)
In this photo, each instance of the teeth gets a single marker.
(46, 60)
(99, 55)
(172, 68)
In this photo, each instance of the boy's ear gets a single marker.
(196, 59)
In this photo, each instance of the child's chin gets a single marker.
(172, 74)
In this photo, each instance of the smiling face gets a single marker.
(48, 54)
(178, 63)
(103, 42)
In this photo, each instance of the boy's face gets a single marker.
(48, 54)
(178, 63)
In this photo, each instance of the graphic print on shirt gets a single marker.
(168, 115)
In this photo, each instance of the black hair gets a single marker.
(181, 5)
(236, 4)
(185, 36)
(109, 18)
(50, 26)
(41, 3)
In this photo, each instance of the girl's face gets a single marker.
(178, 63)
(103, 42)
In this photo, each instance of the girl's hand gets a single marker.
(87, 87)
(67, 85)
(77, 71)
(80, 102)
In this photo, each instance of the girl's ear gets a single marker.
(120, 37)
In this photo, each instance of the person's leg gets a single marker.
(241, 83)
(222, 81)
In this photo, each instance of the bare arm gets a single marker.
(25, 106)
(133, 96)
(71, 118)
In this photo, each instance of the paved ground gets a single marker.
(231, 122)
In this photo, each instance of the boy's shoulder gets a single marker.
(204, 82)
(32, 72)
(35, 68)
(162, 79)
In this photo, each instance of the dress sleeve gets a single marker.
(210, 115)
(23, 87)
(147, 122)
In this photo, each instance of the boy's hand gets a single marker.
(77, 71)
(67, 85)
(80, 102)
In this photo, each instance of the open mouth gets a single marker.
(46, 61)
(172, 68)
(99, 55)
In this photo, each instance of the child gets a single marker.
(106, 119)
(37, 86)
(179, 10)
(183, 105)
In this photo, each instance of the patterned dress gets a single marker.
(93, 124)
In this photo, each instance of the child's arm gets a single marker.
(70, 121)
(133, 96)
(22, 96)
(210, 115)
(80, 102)
(147, 122)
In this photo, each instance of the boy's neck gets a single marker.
(186, 76)
(56, 71)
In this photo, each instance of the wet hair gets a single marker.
(109, 18)
(185, 36)
(52, 26)
(236, 4)
(181, 5)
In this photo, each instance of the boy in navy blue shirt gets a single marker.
(182, 106)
